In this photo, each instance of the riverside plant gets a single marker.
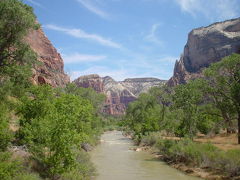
(204, 155)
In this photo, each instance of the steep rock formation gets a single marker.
(206, 45)
(90, 81)
(50, 71)
(119, 94)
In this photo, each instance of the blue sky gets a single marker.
(126, 38)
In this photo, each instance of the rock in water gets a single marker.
(206, 45)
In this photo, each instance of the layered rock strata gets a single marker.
(50, 70)
(206, 45)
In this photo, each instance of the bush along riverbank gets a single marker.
(198, 159)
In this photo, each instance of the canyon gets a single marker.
(118, 93)
(204, 46)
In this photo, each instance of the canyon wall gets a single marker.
(50, 70)
(206, 45)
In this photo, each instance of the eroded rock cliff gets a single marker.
(206, 45)
(119, 94)
(51, 69)
(90, 81)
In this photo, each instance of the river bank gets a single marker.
(196, 159)
(204, 173)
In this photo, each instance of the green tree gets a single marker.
(54, 127)
(143, 115)
(163, 96)
(224, 79)
(95, 98)
(16, 57)
(16, 19)
(187, 98)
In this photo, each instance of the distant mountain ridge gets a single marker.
(119, 93)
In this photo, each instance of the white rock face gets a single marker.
(206, 45)
(141, 85)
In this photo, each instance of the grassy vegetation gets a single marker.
(194, 154)
(201, 155)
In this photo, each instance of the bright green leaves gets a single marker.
(187, 98)
(16, 19)
(54, 127)
(5, 134)
(16, 57)
(143, 115)
(8, 168)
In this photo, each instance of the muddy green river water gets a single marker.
(115, 161)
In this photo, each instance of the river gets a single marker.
(115, 161)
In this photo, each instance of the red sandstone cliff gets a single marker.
(91, 81)
(50, 71)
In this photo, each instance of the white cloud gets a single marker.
(211, 9)
(79, 58)
(152, 36)
(90, 5)
(79, 33)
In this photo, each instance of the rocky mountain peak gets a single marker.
(206, 45)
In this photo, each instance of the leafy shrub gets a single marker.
(229, 162)
(27, 176)
(5, 134)
(8, 168)
(151, 139)
(84, 169)
(53, 127)
(201, 155)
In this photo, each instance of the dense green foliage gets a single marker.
(49, 125)
(54, 128)
(204, 105)
(16, 20)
